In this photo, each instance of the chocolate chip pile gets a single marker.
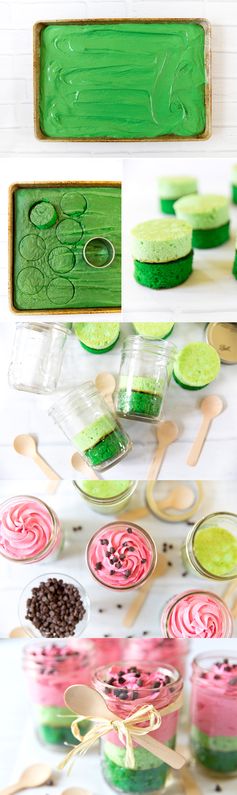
(55, 608)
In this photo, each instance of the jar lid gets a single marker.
(223, 337)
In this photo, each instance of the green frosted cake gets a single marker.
(162, 251)
(121, 80)
(154, 331)
(51, 226)
(209, 217)
(196, 365)
(97, 337)
(172, 188)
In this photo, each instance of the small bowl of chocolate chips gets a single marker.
(54, 606)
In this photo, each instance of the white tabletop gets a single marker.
(26, 413)
(211, 290)
(74, 512)
(19, 746)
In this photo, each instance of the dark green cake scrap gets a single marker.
(122, 80)
(161, 276)
(51, 227)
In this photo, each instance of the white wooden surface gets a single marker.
(211, 290)
(73, 511)
(26, 413)
(17, 18)
(19, 746)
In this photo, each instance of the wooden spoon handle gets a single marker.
(170, 757)
(137, 603)
(189, 784)
(137, 513)
(156, 463)
(197, 446)
(231, 588)
(48, 471)
(10, 790)
(110, 403)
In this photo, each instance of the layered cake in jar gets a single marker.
(214, 712)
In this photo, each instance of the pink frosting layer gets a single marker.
(197, 614)
(142, 687)
(25, 528)
(120, 555)
(157, 650)
(214, 700)
(51, 669)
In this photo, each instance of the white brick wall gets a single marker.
(16, 93)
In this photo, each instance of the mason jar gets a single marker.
(84, 417)
(106, 496)
(145, 372)
(30, 530)
(150, 773)
(50, 669)
(196, 614)
(121, 555)
(37, 356)
(214, 712)
(210, 549)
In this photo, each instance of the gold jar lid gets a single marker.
(223, 337)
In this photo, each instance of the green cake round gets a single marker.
(162, 251)
(172, 188)
(209, 217)
(196, 365)
(164, 276)
(97, 337)
(154, 331)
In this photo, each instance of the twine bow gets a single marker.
(127, 729)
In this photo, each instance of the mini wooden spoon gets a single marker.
(180, 498)
(105, 383)
(138, 601)
(137, 513)
(167, 433)
(83, 700)
(33, 776)
(18, 632)
(76, 791)
(211, 406)
(80, 465)
(25, 444)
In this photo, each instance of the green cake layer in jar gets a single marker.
(141, 397)
(218, 754)
(196, 365)
(149, 774)
(101, 441)
(54, 725)
(215, 549)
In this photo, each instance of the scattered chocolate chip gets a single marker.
(145, 632)
(98, 566)
(134, 695)
(184, 573)
(169, 563)
(227, 668)
(55, 608)
(171, 546)
(125, 544)
(132, 670)
(218, 788)
(119, 607)
(76, 529)
(217, 676)
(100, 610)
(226, 661)
(104, 541)
(111, 680)
(106, 636)
(107, 554)
(112, 550)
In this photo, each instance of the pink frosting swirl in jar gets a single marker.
(121, 555)
(26, 528)
(197, 614)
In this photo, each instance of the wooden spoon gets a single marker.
(25, 444)
(211, 406)
(33, 776)
(83, 700)
(18, 632)
(76, 791)
(80, 465)
(189, 783)
(166, 432)
(137, 513)
(138, 601)
(105, 383)
(180, 498)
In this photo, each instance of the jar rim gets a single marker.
(64, 327)
(151, 346)
(213, 657)
(168, 608)
(109, 500)
(55, 525)
(192, 559)
(84, 389)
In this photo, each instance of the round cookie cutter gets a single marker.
(167, 516)
(99, 242)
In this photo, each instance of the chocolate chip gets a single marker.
(75, 529)
(145, 632)
(121, 680)
(227, 668)
(55, 608)
(218, 788)
(118, 565)
(233, 681)
(134, 695)
(184, 573)
(122, 557)
(127, 574)
(169, 563)
(107, 554)
(119, 607)
(143, 560)
(140, 682)
(156, 685)
(203, 676)
(125, 544)
(131, 549)
(217, 676)
(112, 550)
(112, 572)
(132, 670)
(129, 530)
(226, 661)
(171, 546)
(100, 610)
(104, 541)
(111, 680)
(98, 566)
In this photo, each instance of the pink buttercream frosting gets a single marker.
(26, 527)
(127, 688)
(197, 614)
(52, 668)
(214, 699)
(120, 555)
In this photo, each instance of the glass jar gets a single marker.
(37, 356)
(37, 625)
(157, 651)
(149, 774)
(30, 531)
(84, 417)
(107, 650)
(106, 496)
(211, 547)
(196, 614)
(121, 555)
(214, 712)
(50, 669)
(145, 372)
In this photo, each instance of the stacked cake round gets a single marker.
(172, 188)
(209, 217)
(162, 251)
(97, 337)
